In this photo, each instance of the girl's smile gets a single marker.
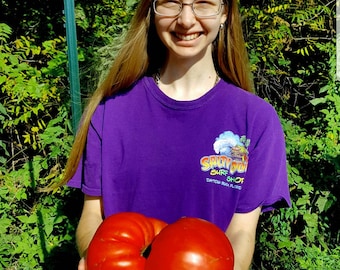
(187, 37)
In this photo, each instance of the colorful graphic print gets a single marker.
(231, 157)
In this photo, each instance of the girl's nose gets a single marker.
(187, 17)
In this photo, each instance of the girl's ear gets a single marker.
(224, 15)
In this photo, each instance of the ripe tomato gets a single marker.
(191, 244)
(120, 241)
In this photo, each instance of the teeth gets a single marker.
(187, 37)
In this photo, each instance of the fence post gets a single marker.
(71, 39)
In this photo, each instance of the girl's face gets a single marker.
(187, 35)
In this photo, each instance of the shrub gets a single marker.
(292, 51)
(35, 140)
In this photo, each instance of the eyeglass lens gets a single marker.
(201, 8)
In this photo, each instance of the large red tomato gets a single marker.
(120, 241)
(191, 244)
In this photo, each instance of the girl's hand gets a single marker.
(82, 264)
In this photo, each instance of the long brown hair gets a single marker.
(143, 53)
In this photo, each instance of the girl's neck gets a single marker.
(187, 81)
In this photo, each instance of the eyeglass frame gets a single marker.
(187, 4)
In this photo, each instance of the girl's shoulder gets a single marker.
(244, 101)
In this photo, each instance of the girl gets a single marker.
(174, 131)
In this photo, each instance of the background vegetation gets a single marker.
(293, 56)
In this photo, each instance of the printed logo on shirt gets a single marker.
(231, 157)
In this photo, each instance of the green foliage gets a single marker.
(298, 238)
(104, 18)
(5, 32)
(35, 131)
(42, 20)
(32, 79)
(100, 27)
(33, 224)
(292, 51)
(34, 142)
(287, 41)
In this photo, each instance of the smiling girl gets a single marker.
(179, 87)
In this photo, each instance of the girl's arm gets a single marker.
(91, 218)
(242, 233)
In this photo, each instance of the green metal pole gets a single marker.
(71, 38)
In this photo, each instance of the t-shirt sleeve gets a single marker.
(266, 180)
(88, 174)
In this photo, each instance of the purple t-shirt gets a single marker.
(209, 158)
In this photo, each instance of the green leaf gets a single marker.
(4, 225)
(130, 3)
(3, 78)
(303, 201)
(3, 109)
(322, 201)
(317, 101)
(311, 219)
(286, 244)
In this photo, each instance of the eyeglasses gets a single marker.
(201, 8)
